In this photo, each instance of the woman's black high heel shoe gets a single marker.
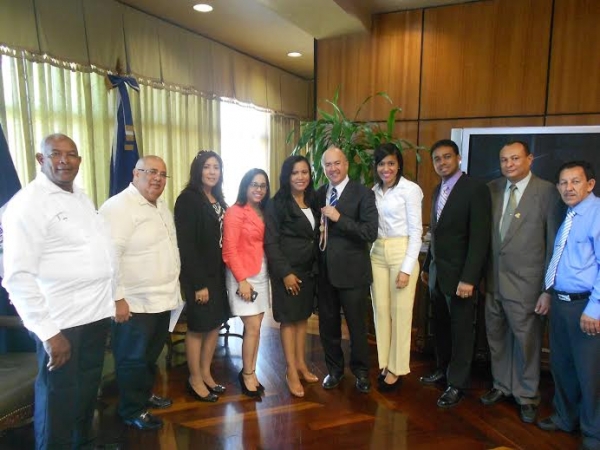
(216, 389)
(245, 390)
(211, 398)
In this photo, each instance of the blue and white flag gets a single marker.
(9, 186)
(124, 148)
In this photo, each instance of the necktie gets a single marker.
(333, 198)
(562, 240)
(444, 192)
(509, 212)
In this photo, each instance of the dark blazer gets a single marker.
(460, 240)
(291, 244)
(347, 255)
(198, 236)
(517, 265)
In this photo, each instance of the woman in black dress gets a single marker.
(291, 237)
(199, 212)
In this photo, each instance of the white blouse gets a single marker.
(400, 215)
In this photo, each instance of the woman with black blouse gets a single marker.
(291, 237)
(199, 212)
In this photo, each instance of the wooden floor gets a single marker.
(339, 419)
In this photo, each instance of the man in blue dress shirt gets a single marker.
(573, 281)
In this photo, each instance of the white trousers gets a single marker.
(392, 307)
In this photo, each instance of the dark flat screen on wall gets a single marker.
(549, 151)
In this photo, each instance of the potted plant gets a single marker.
(356, 139)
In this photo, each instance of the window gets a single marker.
(244, 144)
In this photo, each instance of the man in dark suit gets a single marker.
(460, 224)
(524, 223)
(349, 225)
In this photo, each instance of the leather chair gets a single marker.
(17, 377)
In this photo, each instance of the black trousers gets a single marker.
(454, 335)
(65, 398)
(575, 363)
(353, 303)
(136, 345)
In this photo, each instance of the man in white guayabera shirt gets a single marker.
(143, 233)
(59, 271)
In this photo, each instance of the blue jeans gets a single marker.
(136, 345)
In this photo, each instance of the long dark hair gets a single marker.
(195, 183)
(285, 189)
(242, 197)
(379, 155)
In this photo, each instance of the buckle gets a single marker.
(564, 297)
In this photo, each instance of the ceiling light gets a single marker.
(203, 7)
(294, 54)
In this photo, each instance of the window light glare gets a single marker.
(294, 54)
(203, 7)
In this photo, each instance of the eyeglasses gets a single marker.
(262, 186)
(154, 172)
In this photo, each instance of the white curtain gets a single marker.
(39, 98)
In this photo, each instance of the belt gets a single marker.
(567, 297)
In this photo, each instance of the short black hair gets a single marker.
(587, 167)
(196, 168)
(445, 143)
(523, 143)
(242, 197)
(380, 153)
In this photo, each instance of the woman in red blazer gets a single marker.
(247, 277)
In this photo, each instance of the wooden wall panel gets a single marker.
(434, 130)
(485, 59)
(344, 62)
(396, 62)
(575, 63)
(562, 121)
(388, 61)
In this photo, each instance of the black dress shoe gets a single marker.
(384, 387)
(211, 397)
(158, 402)
(492, 396)
(528, 413)
(332, 381)
(145, 422)
(438, 376)
(450, 397)
(216, 389)
(363, 384)
(548, 424)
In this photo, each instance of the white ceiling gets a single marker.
(269, 29)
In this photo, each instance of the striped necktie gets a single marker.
(333, 198)
(444, 192)
(333, 201)
(562, 241)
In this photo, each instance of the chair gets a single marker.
(17, 377)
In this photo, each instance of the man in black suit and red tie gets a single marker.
(460, 224)
(349, 226)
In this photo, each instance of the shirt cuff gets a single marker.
(119, 293)
(408, 265)
(45, 331)
(593, 309)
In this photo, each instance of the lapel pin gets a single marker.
(518, 215)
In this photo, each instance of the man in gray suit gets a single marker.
(524, 223)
